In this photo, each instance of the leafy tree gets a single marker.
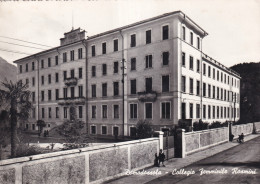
(4, 131)
(40, 124)
(16, 96)
(144, 129)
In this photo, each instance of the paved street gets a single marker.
(244, 157)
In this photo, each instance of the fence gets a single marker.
(86, 165)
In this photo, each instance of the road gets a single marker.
(244, 157)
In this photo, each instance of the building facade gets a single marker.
(151, 70)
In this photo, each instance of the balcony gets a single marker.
(71, 81)
(72, 101)
(147, 96)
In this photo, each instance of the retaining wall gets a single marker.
(86, 165)
(198, 140)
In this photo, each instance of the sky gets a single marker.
(233, 25)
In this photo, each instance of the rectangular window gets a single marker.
(93, 71)
(80, 111)
(183, 33)
(93, 50)
(94, 111)
(183, 110)
(204, 89)
(217, 75)
(42, 95)
(217, 92)
(104, 48)
(57, 94)
(209, 111)
(221, 77)
(104, 89)
(133, 86)
(116, 111)
(93, 90)
(228, 79)
(33, 96)
(65, 93)
(213, 73)
(72, 92)
(49, 95)
(93, 130)
(183, 59)
(104, 69)
(221, 112)
(198, 88)
(80, 53)
(225, 78)
(80, 73)
(225, 112)
(191, 62)
(57, 112)
(165, 32)
(49, 78)
(148, 37)
(49, 62)
(56, 60)
(26, 67)
(204, 111)
(42, 63)
(72, 55)
(56, 77)
(33, 67)
(218, 112)
(214, 92)
(198, 65)
(133, 40)
(225, 95)
(191, 111)
(221, 94)
(209, 90)
(213, 111)
(116, 88)
(80, 91)
(49, 109)
(103, 130)
(197, 110)
(43, 113)
(204, 69)
(116, 67)
(115, 45)
(65, 112)
(209, 71)
(72, 74)
(148, 110)
(64, 75)
(104, 111)
(191, 86)
(148, 61)
(166, 110)
(149, 84)
(21, 69)
(183, 84)
(165, 83)
(33, 81)
(33, 113)
(42, 80)
(133, 111)
(165, 58)
(191, 38)
(64, 57)
(198, 42)
(133, 63)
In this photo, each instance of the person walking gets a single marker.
(161, 158)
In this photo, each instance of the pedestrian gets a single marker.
(156, 160)
(161, 157)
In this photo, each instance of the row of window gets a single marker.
(133, 111)
(133, 41)
(49, 61)
(133, 86)
(191, 37)
(218, 112)
(115, 130)
(217, 92)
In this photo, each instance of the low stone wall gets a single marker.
(86, 165)
(246, 129)
(257, 126)
(198, 140)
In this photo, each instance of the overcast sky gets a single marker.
(233, 25)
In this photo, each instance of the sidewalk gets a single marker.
(178, 163)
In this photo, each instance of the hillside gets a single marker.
(7, 70)
(250, 90)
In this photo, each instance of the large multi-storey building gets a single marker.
(153, 69)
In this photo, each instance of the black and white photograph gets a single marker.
(123, 92)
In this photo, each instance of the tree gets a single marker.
(40, 124)
(4, 130)
(144, 129)
(16, 96)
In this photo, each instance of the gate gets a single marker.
(168, 145)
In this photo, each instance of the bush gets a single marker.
(144, 129)
(24, 150)
(197, 126)
(69, 146)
